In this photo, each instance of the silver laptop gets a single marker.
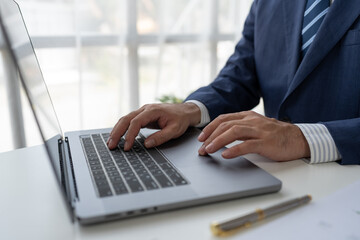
(101, 185)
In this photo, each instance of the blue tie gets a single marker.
(314, 15)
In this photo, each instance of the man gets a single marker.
(303, 58)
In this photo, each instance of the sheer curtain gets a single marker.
(102, 59)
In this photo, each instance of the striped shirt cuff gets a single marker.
(205, 117)
(321, 143)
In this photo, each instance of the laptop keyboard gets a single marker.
(118, 172)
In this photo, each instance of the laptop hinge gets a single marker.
(66, 177)
(76, 195)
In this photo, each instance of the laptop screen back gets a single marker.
(21, 52)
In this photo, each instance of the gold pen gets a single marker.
(228, 228)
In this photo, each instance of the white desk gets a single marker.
(31, 206)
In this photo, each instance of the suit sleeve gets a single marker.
(236, 87)
(346, 135)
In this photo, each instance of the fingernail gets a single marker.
(202, 150)
(201, 136)
(150, 143)
(126, 146)
(109, 142)
(210, 147)
(226, 154)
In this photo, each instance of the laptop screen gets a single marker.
(22, 53)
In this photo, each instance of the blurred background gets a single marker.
(102, 59)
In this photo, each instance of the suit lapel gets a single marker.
(338, 20)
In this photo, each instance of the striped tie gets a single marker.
(314, 15)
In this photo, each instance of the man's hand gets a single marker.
(172, 119)
(268, 137)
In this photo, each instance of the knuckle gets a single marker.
(247, 113)
(224, 125)
(251, 112)
(236, 129)
(145, 106)
(222, 117)
(134, 122)
(253, 115)
(124, 119)
(255, 121)
(242, 114)
(274, 120)
(150, 106)
(153, 107)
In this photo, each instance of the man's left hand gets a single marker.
(271, 138)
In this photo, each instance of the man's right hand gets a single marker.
(172, 119)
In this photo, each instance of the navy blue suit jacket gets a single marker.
(323, 87)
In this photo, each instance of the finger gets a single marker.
(169, 132)
(246, 147)
(120, 128)
(125, 119)
(140, 121)
(210, 128)
(144, 119)
(234, 133)
(223, 127)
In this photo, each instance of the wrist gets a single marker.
(304, 145)
(192, 111)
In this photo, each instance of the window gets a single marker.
(102, 59)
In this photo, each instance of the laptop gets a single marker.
(101, 185)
